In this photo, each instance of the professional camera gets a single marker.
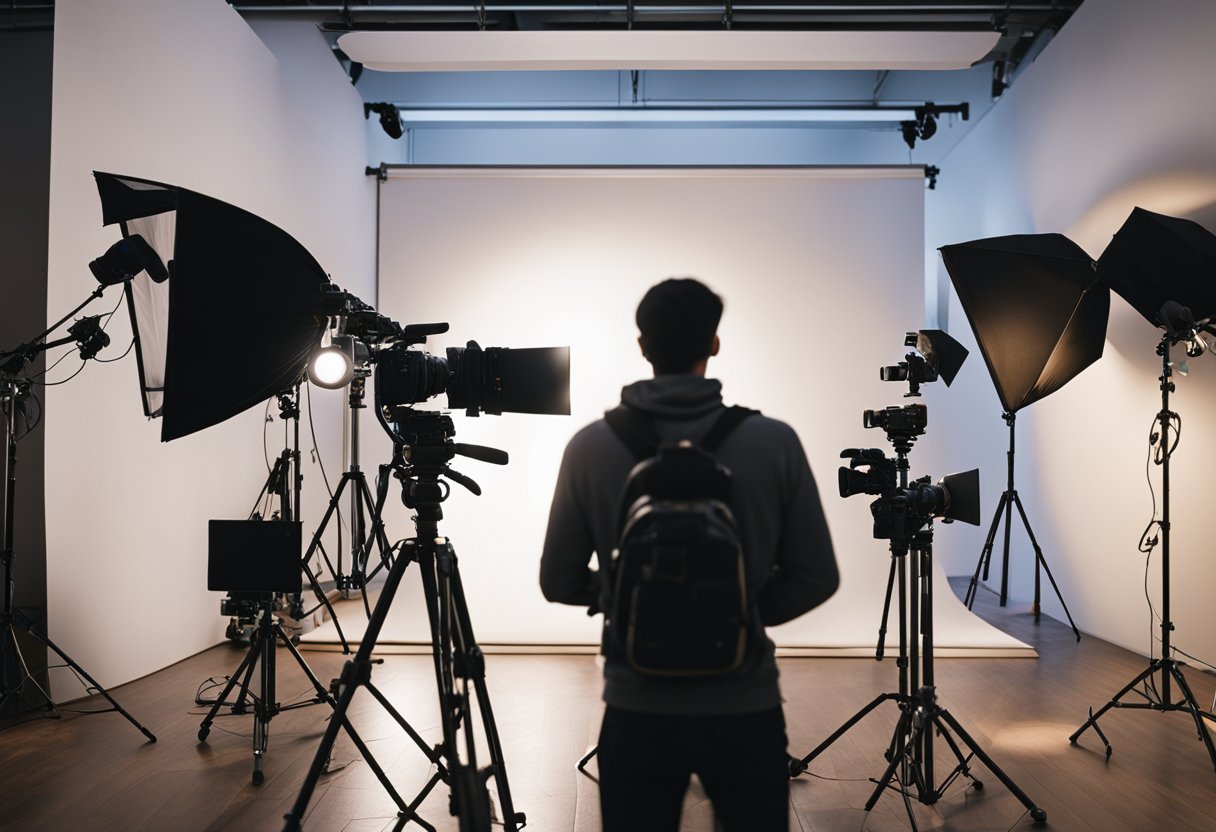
(935, 354)
(494, 380)
(903, 508)
(909, 420)
(901, 512)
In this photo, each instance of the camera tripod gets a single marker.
(367, 527)
(14, 392)
(263, 644)
(1162, 699)
(1010, 500)
(910, 767)
(424, 439)
(283, 482)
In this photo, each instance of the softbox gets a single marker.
(238, 316)
(1154, 258)
(1036, 307)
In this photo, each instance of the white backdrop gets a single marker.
(821, 273)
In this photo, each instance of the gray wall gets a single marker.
(25, 164)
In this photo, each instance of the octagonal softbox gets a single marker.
(1036, 307)
(238, 316)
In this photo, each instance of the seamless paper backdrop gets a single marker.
(821, 273)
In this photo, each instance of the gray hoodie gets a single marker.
(791, 567)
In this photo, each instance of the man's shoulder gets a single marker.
(759, 427)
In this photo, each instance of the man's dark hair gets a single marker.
(678, 319)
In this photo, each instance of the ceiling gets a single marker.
(1022, 30)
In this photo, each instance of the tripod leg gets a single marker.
(320, 593)
(29, 627)
(355, 674)
(1036, 813)
(586, 758)
(1193, 706)
(1114, 702)
(323, 694)
(985, 553)
(1042, 561)
(881, 650)
(797, 766)
(474, 664)
(901, 741)
(204, 727)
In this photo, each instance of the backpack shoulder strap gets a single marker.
(730, 419)
(633, 428)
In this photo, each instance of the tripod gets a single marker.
(910, 754)
(285, 481)
(425, 439)
(14, 392)
(268, 631)
(1009, 500)
(1161, 700)
(367, 527)
(257, 608)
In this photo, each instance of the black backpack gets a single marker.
(677, 602)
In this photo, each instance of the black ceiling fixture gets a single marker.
(924, 127)
(390, 118)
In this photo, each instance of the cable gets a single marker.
(79, 370)
(130, 346)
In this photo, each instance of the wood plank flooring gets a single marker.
(98, 773)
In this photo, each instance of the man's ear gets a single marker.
(717, 344)
(642, 348)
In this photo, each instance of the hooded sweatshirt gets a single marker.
(790, 564)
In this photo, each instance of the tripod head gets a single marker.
(422, 449)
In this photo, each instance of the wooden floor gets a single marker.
(98, 772)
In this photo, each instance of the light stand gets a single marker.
(1166, 665)
(457, 657)
(14, 392)
(285, 480)
(1009, 500)
(367, 527)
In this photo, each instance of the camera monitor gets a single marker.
(254, 556)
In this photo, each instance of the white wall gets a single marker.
(819, 269)
(1115, 114)
(182, 92)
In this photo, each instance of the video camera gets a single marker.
(904, 508)
(494, 380)
(901, 512)
(935, 354)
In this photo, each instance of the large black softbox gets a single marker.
(1036, 308)
(237, 318)
(1154, 258)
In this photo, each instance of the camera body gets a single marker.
(909, 420)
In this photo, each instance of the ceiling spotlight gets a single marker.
(390, 118)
